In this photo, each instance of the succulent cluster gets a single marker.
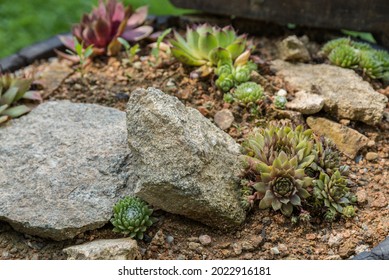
(293, 171)
(233, 74)
(206, 45)
(132, 216)
(105, 24)
(331, 193)
(13, 89)
(349, 54)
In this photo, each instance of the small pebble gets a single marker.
(224, 119)
(170, 83)
(169, 239)
(193, 245)
(205, 239)
(310, 236)
(274, 251)
(237, 248)
(361, 196)
(370, 156)
(281, 92)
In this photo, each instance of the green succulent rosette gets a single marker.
(205, 44)
(332, 193)
(283, 184)
(249, 92)
(132, 216)
(344, 56)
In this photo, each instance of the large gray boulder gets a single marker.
(63, 167)
(345, 93)
(185, 164)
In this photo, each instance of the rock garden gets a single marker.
(195, 138)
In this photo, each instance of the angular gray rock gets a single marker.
(63, 167)
(185, 164)
(292, 49)
(345, 93)
(306, 103)
(105, 249)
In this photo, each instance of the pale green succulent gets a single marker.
(280, 102)
(249, 92)
(12, 90)
(283, 184)
(207, 45)
(370, 64)
(132, 216)
(350, 54)
(344, 56)
(333, 44)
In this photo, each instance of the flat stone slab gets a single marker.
(345, 93)
(185, 164)
(105, 249)
(63, 167)
(347, 140)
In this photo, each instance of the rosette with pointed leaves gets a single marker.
(249, 92)
(13, 89)
(331, 193)
(105, 24)
(132, 216)
(265, 145)
(344, 56)
(205, 46)
(283, 184)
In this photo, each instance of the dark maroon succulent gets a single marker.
(105, 24)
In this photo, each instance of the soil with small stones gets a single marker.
(265, 234)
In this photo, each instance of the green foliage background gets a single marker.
(23, 22)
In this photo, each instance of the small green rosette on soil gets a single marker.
(132, 216)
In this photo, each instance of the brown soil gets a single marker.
(265, 234)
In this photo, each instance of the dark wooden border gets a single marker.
(358, 15)
(28, 55)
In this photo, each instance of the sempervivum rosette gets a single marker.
(132, 216)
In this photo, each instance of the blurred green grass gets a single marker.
(23, 22)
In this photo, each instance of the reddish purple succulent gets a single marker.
(105, 24)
